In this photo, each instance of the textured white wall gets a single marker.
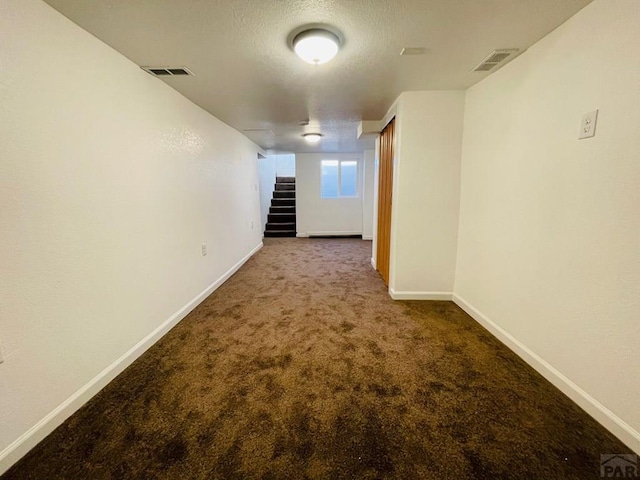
(368, 167)
(376, 167)
(109, 183)
(329, 216)
(426, 193)
(267, 176)
(549, 243)
(285, 165)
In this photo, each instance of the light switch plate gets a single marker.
(588, 125)
(204, 249)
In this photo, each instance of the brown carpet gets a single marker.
(301, 366)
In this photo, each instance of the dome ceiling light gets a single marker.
(312, 137)
(316, 45)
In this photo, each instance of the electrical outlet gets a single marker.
(588, 125)
(251, 223)
(204, 249)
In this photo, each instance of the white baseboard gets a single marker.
(373, 263)
(302, 235)
(419, 295)
(367, 237)
(16, 450)
(599, 412)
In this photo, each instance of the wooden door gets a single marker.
(385, 189)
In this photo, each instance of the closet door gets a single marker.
(385, 189)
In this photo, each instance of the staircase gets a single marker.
(281, 221)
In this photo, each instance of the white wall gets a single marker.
(549, 244)
(368, 170)
(109, 183)
(329, 216)
(426, 194)
(285, 165)
(267, 176)
(376, 167)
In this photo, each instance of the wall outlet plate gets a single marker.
(1, 356)
(588, 125)
(204, 249)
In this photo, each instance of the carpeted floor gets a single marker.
(301, 366)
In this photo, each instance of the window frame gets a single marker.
(339, 180)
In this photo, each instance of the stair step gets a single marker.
(280, 233)
(283, 202)
(290, 209)
(284, 194)
(280, 226)
(285, 186)
(285, 179)
(281, 217)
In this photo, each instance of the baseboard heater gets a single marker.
(335, 236)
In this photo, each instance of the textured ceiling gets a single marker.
(247, 76)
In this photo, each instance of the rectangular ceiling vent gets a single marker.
(260, 131)
(496, 57)
(413, 51)
(167, 71)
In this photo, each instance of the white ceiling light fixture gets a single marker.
(316, 45)
(312, 137)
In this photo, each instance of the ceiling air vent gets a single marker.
(495, 58)
(167, 71)
(260, 131)
(413, 51)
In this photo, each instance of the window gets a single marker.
(339, 178)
